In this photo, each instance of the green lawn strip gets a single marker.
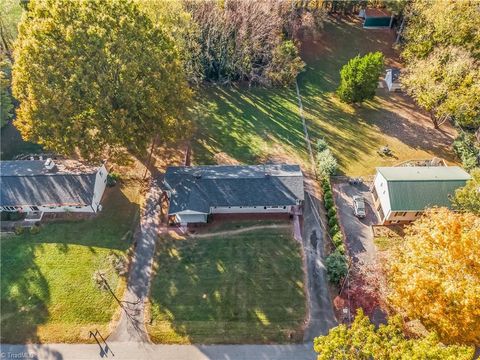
(47, 289)
(244, 288)
(226, 225)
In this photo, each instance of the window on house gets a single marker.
(34, 208)
(418, 213)
(78, 207)
(284, 207)
(265, 208)
(375, 195)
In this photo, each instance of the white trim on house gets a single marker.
(381, 196)
(99, 189)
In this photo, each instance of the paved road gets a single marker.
(131, 326)
(141, 351)
(322, 317)
(358, 232)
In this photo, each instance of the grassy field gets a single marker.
(47, 290)
(246, 288)
(254, 125)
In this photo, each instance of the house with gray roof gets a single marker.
(402, 193)
(37, 186)
(194, 192)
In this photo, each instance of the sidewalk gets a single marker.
(131, 326)
(141, 351)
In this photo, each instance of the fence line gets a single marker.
(305, 129)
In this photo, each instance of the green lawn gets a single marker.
(246, 288)
(47, 290)
(256, 125)
(247, 125)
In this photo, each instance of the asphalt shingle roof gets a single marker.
(200, 187)
(28, 182)
(418, 187)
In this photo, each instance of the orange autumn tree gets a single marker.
(434, 275)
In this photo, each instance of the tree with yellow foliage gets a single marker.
(434, 275)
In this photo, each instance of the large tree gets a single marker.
(442, 53)
(431, 24)
(361, 341)
(245, 40)
(359, 78)
(467, 198)
(434, 275)
(446, 84)
(96, 75)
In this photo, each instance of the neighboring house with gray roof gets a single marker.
(198, 191)
(401, 194)
(36, 186)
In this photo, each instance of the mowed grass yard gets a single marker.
(245, 288)
(251, 125)
(47, 289)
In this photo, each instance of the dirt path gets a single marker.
(131, 326)
(239, 231)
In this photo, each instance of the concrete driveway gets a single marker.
(358, 232)
(320, 308)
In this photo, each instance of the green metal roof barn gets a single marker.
(377, 18)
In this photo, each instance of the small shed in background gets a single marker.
(376, 18)
(392, 79)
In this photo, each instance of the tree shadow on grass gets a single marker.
(25, 293)
(111, 228)
(229, 290)
(240, 121)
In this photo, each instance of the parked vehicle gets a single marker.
(359, 206)
(355, 181)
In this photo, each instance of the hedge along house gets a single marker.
(401, 194)
(35, 187)
(198, 191)
(376, 18)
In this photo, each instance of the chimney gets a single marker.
(49, 164)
